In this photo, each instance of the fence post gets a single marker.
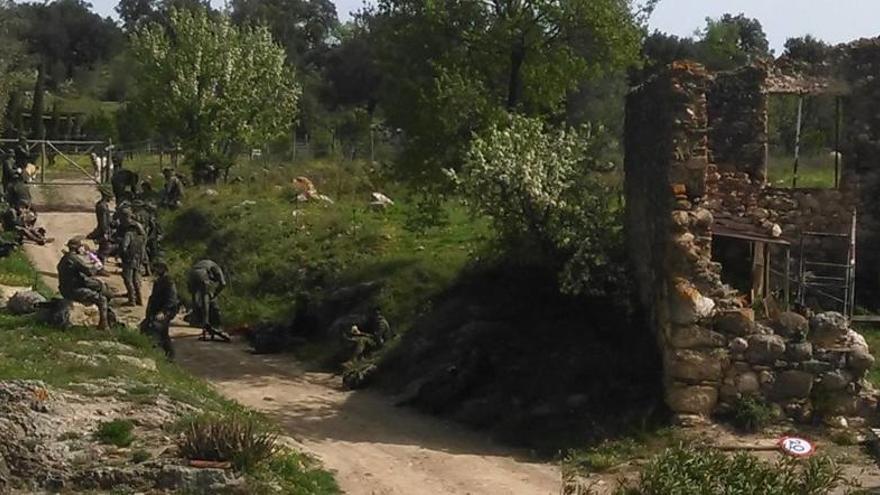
(43, 162)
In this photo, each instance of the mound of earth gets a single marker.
(48, 443)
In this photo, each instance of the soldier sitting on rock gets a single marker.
(77, 282)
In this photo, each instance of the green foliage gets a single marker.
(293, 474)
(140, 455)
(241, 438)
(545, 188)
(215, 87)
(687, 470)
(450, 69)
(602, 457)
(751, 414)
(732, 41)
(118, 432)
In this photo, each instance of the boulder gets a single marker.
(765, 349)
(694, 366)
(687, 305)
(828, 329)
(739, 345)
(693, 336)
(739, 322)
(860, 361)
(791, 325)
(793, 384)
(25, 302)
(747, 383)
(833, 381)
(696, 399)
(799, 351)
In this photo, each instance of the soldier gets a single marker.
(162, 307)
(124, 182)
(8, 171)
(22, 153)
(377, 326)
(17, 191)
(77, 282)
(103, 233)
(172, 193)
(22, 220)
(131, 253)
(206, 281)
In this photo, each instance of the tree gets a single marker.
(138, 13)
(542, 188)
(450, 69)
(807, 49)
(213, 86)
(732, 41)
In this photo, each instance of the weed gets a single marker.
(845, 437)
(291, 473)
(140, 455)
(119, 432)
(241, 438)
(686, 470)
(751, 414)
(602, 457)
(69, 435)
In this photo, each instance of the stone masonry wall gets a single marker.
(714, 350)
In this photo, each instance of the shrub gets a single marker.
(237, 437)
(751, 414)
(686, 470)
(139, 456)
(119, 432)
(601, 457)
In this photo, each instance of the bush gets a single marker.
(240, 438)
(119, 432)
(687, 470)
(139, 456)
(751, 414)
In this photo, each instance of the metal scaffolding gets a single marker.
(837, 280)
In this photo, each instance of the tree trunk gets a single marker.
(514, 88)
(38, 131)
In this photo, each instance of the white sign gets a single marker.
(797, 447)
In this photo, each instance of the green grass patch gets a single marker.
(816, 171)
(872, 336)
(606, 455)
(118, 432)
(685, 470)
(16, 270)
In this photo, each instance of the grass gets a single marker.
(815, 171)
(16, 270)
(118, 432)
(606, 455)
(243, 439)
(688, 470)
(872, 336)
(274, 248)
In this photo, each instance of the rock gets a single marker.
(694, 366)
(828, 329)
(25, 302)
(834, 381)
(142, 363)
(815, 366)
(211, 192)
(860, 361)
(107, 345)
(856, 340)
(764, 349)
(766, 378)
(799, 351)
(7, 291)
(62, 313)
(838, 404)
(793, 385)
(791, 325)
(739, 322)
(693, 336)
(697, 399)
(747, 383)
(687, 305)
(193, 480)
(739, 345)
(87, 359)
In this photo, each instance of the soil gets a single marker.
(372, 446)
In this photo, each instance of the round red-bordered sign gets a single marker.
(797, 447)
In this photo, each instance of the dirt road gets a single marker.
(372, 446)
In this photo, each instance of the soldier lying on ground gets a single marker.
(22, 221)
(205, 282)
(162, 307)
(77, 282)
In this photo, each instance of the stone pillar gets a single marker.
(669, 232)
(737, 106)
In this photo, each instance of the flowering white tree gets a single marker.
(545, 188)
(213, 86)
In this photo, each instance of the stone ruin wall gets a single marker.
(714, 349)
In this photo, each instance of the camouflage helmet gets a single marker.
(75, 242)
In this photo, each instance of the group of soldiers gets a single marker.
(18, 215)
(132, 234)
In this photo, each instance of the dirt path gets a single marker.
(372, 446)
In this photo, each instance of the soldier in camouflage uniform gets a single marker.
(103, 233)
(172, 193)
(162, 307)
(206, 281)
(77, 282)
(131, 253)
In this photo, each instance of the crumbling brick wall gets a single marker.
(737, 107)
(714, 349)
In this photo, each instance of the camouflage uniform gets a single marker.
(103, 233)
(76, 282)
(172, 193)
(131, 253)
(124, 183)
(205, 282)
(163, 301)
